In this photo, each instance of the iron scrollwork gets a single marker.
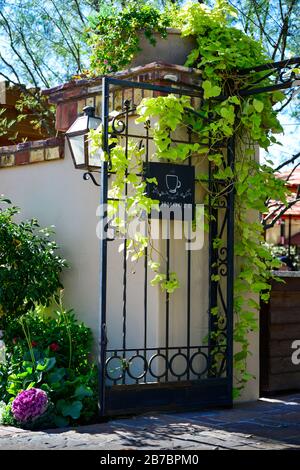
(88, 175)
(157, 363)
(118, 123)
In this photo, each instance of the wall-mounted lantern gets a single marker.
(79, 144)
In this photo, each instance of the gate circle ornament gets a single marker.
(130, 363)
(150, 365)
(179, 354)
(192, 359)
(110, 359)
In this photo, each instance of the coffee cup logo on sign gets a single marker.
(173, 183)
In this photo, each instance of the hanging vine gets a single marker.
(222, 50)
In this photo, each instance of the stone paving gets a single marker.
(272, 424)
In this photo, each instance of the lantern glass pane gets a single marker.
(81, 124)
(77, 145)
(95, 158)
(94, 122)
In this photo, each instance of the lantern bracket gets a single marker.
(88, 175)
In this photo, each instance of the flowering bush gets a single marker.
(49, 354)
(29, 405)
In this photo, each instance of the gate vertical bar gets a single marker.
(147, 125)
(103, 250)
(124, 308)
(213, 270)
(230, 266)
(167, 297)
(188, 306)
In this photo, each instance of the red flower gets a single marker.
(33, 344)
(54, 347)
(15, 340)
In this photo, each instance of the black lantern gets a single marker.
(79, 144)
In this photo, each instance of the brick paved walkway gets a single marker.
(266, 424)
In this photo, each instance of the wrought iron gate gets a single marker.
(150, 358)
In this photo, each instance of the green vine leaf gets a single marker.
(258, 105)
(210, 90)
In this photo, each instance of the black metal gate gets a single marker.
(150, 357)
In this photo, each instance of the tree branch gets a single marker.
(9, 79)
(35, 64)
(286, 103)
(259, 26)
(280, 214)
(12, 45)
(287, 162)
(12, 69)
(82, 18)
(77, 55)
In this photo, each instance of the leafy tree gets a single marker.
(41, 46)
(42, 42)
(275, 22)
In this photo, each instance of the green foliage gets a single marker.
(113, 34)
(43, 43)
(285, 251)
(32, 107)
(60, 334)
(170, 110)
(6, 125)
(167, 284)
(126, 164)
(29, 265)
(51, 353)
(45, 421)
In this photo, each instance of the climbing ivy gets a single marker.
(221, 51)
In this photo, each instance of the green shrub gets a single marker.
(29, 264)
(59, 334)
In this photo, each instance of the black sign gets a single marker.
(174, 186)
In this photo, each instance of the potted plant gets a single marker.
(136, 35)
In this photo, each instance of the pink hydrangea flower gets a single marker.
(29, 404)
